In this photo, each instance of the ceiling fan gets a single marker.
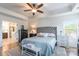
(34, 8)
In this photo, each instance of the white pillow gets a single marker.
(51, 35)
(42, 34)
(46, 34)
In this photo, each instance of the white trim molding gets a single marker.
(12, 13)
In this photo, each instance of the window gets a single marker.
(71, 28)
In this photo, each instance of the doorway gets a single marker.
(9, 29)
(8, 34)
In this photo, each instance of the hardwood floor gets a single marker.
(72, 51)
(13, 52)
(16, 51)
(9, 47)
(0, 51)
(13, 49)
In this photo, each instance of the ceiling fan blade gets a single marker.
(40, 11)
(28, 10)
(39, 6)
(30, 5)
(34, 5)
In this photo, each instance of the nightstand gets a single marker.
(32, 35)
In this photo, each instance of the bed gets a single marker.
(47, 44)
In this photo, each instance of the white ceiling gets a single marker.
(48, 8)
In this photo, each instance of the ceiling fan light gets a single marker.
(34, 10)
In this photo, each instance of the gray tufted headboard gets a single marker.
(47, 30)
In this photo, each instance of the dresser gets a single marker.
(23, 34)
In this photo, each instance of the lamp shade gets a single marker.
(33, 29)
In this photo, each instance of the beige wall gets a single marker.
(32, 21)
(55, 21)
